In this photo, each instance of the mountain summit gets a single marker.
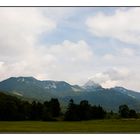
(92, 86)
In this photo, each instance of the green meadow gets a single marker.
(94, 126)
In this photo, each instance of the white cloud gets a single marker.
(117, 73)
(20, 28)
(21, 53)
(128, 52)
(66, 61)
(100, 77)
(124, 25)
(109, 84)
(1, 63)
(108, 57)
(70, 61)
(72, 51)
(112, 77)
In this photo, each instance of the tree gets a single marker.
(46, 115)
(12, 108)
(25, 110)
(84, 110)
(11, 111)
(54, 107)
(72, 112)
(124, 111)
(36, 111)
(133, 114)
(98, 112)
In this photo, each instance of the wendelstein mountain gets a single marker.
(31, 88)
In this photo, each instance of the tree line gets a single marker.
(83, 111)
(14, 109)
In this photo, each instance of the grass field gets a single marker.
(94, 126)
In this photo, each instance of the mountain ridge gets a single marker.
(92, 83)
(30, 87)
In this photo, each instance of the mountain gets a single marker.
(109, 98)
(133, 94)
(33, 88)
(24, 86)
(29, 87)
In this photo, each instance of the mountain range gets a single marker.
(31, 88)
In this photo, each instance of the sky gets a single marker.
(73, 44)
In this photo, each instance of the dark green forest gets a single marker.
(14, 109)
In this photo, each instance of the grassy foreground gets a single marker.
(94, 126)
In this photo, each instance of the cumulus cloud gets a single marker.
(72, 51)
(117, 73)
(123, 25)
(20, 29)
(108, 57)
(19, 36)
(68, 59)
(112, 77)
(109, 83)
(21, 53)
(128, 52)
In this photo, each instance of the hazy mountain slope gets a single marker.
(24, 86)
(31, 87)
(107, 98)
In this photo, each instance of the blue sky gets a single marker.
(74, 44)
(72, 27)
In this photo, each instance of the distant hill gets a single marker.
(29, 87)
